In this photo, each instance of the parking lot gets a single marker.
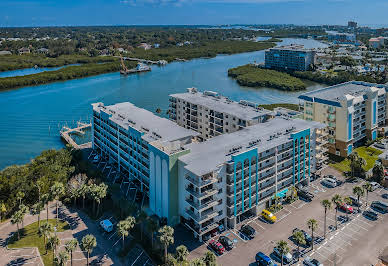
(343, 246)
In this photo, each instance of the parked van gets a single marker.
(106, 225)
(268, 216)
(329, 182)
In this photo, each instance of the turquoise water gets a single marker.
(32, 116)
(29, 71)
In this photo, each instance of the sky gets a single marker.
(15, 13)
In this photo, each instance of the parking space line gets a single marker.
(233, 232)
(351, 229)
(358, 219)
(259, 225)
(359, 226)
(284, 215)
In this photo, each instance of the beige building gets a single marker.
(352, 111)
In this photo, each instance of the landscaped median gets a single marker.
(369, 154)
(29, 238)
(253, 76)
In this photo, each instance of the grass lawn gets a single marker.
(368, 153)
(29, 238)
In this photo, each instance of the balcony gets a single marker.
(201, 182)
(204, 216)
(207, 193)
(202, 206)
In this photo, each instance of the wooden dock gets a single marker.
(66, 135)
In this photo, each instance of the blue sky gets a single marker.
(157, 12)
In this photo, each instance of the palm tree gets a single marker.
(45, 230)
(46, 199)
(348, 201)
(70, 247)
(368, 188)
(17, 218)
(123, 230)
(181, 254)
(100, 193)
(142, 216)
(24, 210)
(313, 225)
(83, 191)
(3, 209)
(299, 239)
(57, 191)
(62, 258)
(283, 248)
(378, 173)
(19, 196)
(88, 243)
(337, 200)
(36, 209)
(197, 262)
(166, 237)
(152, 227)
(359, 192)
(210, 259)
(53, 243)
(327, 205)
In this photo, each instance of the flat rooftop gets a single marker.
(337, 92)
(155, 128)
(244, 110)
(292, 47)
(206, 156)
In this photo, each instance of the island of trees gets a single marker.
(253, 76)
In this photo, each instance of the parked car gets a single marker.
(217, 246)
(269, 216)
(311, 262)
(346, 208)
(329, 182)
(385, 196)
(355, 201)
(379, 206)
(226, 242)
(287, 258)
(264, 260)
(307, 237)
(374, 186)
(248, 231)
(371, 215)
(305, 194)
(106, 225)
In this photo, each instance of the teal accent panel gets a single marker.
(304, 158)
(242, 186)
(298, 147)
(235, 202)
(374, 134)
(293, 161)
(309, 156)
(250, 186)
(374, 112)
(257, 180)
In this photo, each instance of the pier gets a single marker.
(66, 135)
(145, 61)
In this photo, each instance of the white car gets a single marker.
(106, 225)
(329, 182)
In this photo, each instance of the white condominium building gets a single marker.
(353, 111)
(212, 114)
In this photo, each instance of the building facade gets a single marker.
(292, 57)
(342, 38)
(352, 111)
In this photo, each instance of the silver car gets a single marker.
(311, 262)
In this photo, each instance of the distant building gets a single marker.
(352, 24)
(24, 50)
(376, 42)
(5, 53)
(145, 46)
(43, 50)
(342, 38)
(292, 57)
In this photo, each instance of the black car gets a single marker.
(248, 231)
(371, 215)
(305, 194)
(307, 237)
(355, 201)
(379, 206)
(226, 242)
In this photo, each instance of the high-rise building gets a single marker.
(291, 57)
(353, 111)
(352, 24)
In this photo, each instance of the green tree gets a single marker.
(299, 239)
(62, 258)
(88, 243)
(356, 163)
(181, 254)
(17, 218)
(123, 228)
(283, 248)
(337, 200)
(359, 192)
(368, 188)
(210, 259)
(83, 191)
(197, 262)
(327, 206)
(152, 227)
(313, 225)
(3, 210)
(140, 219)
(70, 247)
(378, 173)
(24, 210)
(166, 237)
(46, 200)
(45, 230)
(57, 191)
(53, 242)
(348, 201)
(20, 196)
(100, 194)
(36, 209)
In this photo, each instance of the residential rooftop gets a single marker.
(335, 94)
(245, 110)
(207, 156)
(292, 47)
(155, 128)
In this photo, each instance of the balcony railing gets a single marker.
(204, 216)
(201, 183)
(198, 195)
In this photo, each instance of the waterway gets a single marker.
(29, 71)
(32, 116)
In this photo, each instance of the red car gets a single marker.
(217, 246)
(347, 208)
